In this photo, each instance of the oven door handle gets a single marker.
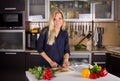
(11, 53)
(9, 8)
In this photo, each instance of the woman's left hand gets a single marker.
(66, 63)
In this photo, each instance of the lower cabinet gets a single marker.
(12, 60)
(99, 58)
(113, 64)
(32, 59)
(12, 66)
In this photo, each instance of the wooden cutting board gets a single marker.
(61, 71)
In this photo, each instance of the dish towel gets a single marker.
(95, 38)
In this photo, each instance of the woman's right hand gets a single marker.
(53, 64)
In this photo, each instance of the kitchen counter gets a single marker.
(114, 50)
(74, 76)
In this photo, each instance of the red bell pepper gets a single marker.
(103, 72)
(94, 76)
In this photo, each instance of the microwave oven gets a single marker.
(14, 20)
(12, 40)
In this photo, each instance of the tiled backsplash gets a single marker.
(79, 29)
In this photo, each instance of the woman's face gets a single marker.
(58, 20)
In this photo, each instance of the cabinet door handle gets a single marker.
(9, 8)
(34, 53)
(100, 62)
(10, 53)
(115, 56)
(99, 53)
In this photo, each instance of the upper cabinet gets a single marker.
(37, 10)
(82, 10)
(12, 5)
(103, 10)
(72, 9)
(117, 9)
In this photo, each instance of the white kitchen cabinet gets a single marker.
(81, 10)
(103, 10)
(73, 9)
(37, 10)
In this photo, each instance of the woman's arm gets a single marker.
(40, 47)
(50, 61)
(66, 60)
(66, 56)
(67, 51)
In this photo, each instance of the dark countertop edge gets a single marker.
(114, 52)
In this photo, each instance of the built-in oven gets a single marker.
(12, 40)
(12, 20)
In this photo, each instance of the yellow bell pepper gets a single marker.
(85, 73)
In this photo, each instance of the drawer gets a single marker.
(80, 58)
(99, 57)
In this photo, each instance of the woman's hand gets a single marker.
(66, 63)
(53, 64)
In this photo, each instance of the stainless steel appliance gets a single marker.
(12, 40)
(12, 20)
(31, 41)
(80, 57)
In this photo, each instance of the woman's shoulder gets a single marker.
(64, 33)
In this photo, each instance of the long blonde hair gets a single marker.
(51, 31)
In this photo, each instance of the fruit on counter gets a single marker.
(95, 72)
(85, 73)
